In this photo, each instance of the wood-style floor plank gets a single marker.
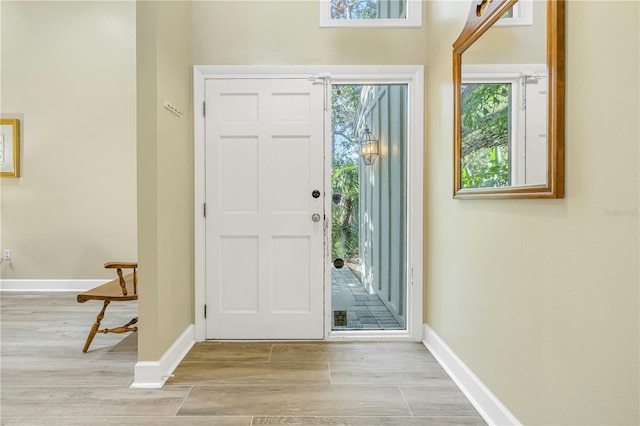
(57, 401)
(132, 421)
(288, 400)
(225, 373)
(370, 421)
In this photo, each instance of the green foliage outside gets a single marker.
(354, 9)
(485, 135)
(345, 181)
(344, 218)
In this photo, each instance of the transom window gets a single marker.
(370, 13)
(519, 14)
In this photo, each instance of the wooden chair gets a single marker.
(123, 288)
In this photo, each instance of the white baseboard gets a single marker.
(485, 402)
(49, 285)
(153, 374)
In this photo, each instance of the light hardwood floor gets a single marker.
(47, 380)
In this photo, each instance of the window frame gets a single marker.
(522, 15)
(513, 74)
(413, 19)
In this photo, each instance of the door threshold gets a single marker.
(372, 336)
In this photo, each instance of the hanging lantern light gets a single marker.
(369, 147)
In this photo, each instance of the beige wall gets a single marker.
(287, 32)
(68, 73)
(165, 175)
(540, 298)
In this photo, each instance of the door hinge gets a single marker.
(204, 209)
(320, 78)
(205, 310)
(204, 109)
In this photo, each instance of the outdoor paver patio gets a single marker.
(364, 310)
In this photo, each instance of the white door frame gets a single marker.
(413, 76)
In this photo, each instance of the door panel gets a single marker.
(291, 259)
(238, 165)
(292, 175)
(264, 254)
(238, 274)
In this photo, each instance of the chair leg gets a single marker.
(95, 327)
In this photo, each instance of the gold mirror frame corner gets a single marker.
(476, 26)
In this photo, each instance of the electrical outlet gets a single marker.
(7, 254)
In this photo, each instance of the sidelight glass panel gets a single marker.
(368, 221)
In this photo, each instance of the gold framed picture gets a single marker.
(9, 147)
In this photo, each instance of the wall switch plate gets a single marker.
(7, 254)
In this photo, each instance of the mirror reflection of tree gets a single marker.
(486, 132)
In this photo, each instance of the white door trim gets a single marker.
(413, 76)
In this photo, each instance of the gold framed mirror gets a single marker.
(509, 102)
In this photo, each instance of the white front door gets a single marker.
(264, 251)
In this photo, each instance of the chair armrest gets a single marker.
(117, 265)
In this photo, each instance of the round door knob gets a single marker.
(315, 194)
(315, 217)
